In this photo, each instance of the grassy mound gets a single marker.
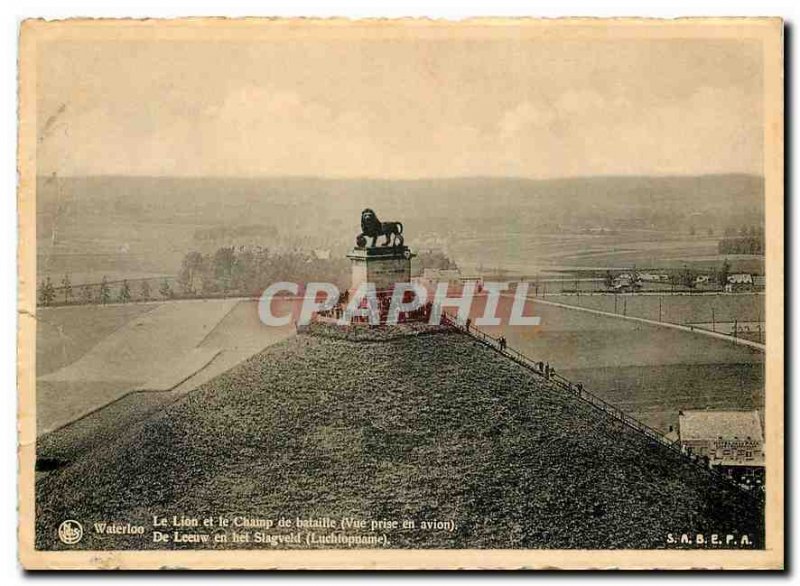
(427, 428)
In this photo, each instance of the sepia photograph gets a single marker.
(494, 293)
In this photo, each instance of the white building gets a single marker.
(740, 279)
(702, 280)
(653, 277)
(732, 441)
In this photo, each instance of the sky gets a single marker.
(400, 107)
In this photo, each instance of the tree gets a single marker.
(146, 290)
(105, 291)
(86, 293)
(243, 274)
(165, 290)
(688, 278)
(724, 271)
(66, 285)
(124, 292)
(192, 265)
(673, 280)
(47, 292)
(608, 281)
(636, 279)
(223, 267)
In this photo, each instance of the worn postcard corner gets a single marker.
(393, 294)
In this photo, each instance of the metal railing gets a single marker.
(578, 391)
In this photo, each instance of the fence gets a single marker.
(578, 391)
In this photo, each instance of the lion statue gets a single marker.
(372, 227)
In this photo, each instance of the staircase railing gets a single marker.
(580, 392)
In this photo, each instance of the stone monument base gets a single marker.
(381, 265)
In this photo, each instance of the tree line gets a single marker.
(249, 270)
(685, 277)
(747, 240)
(228, 271)
(101, 293)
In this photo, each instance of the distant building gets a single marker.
(740, 279)
(731, 441)
(702, 280)
(440, 275)
(739, 282)
(626, 282)
(653, 277)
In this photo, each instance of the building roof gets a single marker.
(702, 425)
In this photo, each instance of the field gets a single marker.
(129, 227)
(677, 309)
(64, 334)
(531, 253)
(88, 356)
(654, 394)
(316, 426)
(651, 371)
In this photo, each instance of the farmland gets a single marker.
(64, 334)
(678, 309)
(558, 253)
(137, 227)
(90, 355)
(317, 426)
(650, 371)
(147, 343)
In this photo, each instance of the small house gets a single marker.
(730, 441)
(739, 282)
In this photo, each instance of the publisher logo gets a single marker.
(70, 532)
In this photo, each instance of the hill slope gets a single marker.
(432, 427)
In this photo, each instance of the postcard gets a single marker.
(401, 294)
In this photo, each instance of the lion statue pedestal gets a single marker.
(384, 266)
